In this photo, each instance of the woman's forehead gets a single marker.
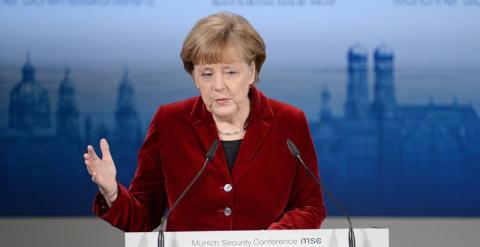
(232, 54)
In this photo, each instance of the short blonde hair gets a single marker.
(213, 35)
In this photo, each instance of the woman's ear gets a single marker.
(193, 78)
(253, 72)
(196, 84)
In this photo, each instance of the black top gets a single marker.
(231, 150)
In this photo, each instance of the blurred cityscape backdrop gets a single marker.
(391, 90)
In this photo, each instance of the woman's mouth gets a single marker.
(222, 101)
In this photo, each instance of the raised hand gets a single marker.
(103, 171)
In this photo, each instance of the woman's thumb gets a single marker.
(105, 148)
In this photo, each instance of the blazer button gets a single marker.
(227, 211)
(227, 187)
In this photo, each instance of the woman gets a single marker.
(253, 182)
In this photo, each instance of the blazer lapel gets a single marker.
(259, 119)
(251, 142)
(207, 134)
(205, 128)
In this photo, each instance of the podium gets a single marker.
(365, 237)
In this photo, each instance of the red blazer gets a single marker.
(269, 190)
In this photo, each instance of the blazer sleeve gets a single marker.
(141, 207)
(305, 208)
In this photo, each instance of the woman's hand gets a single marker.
(103, 171)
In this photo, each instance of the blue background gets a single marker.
(397, 133)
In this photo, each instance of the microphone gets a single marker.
(296, 153)
(208, 157)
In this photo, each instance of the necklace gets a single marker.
(231, 133)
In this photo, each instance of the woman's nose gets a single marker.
(219, 83)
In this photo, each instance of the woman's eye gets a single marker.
(231, 72)
(206, 74)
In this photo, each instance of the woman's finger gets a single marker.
(92, 153)
(88, 164)
(105, 148)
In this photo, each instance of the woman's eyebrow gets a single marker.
(205, 67)
(229, 66)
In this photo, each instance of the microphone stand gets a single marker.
(296, 153)
(209, 156)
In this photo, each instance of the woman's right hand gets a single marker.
(103, 171)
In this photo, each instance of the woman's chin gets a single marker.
(223, 111)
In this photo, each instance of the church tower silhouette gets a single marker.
(357, 105)
(127, 123)
(67, 112)
(384, 102)
(29, 108)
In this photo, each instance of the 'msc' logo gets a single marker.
(311, 241)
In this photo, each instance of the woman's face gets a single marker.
(224, 86)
